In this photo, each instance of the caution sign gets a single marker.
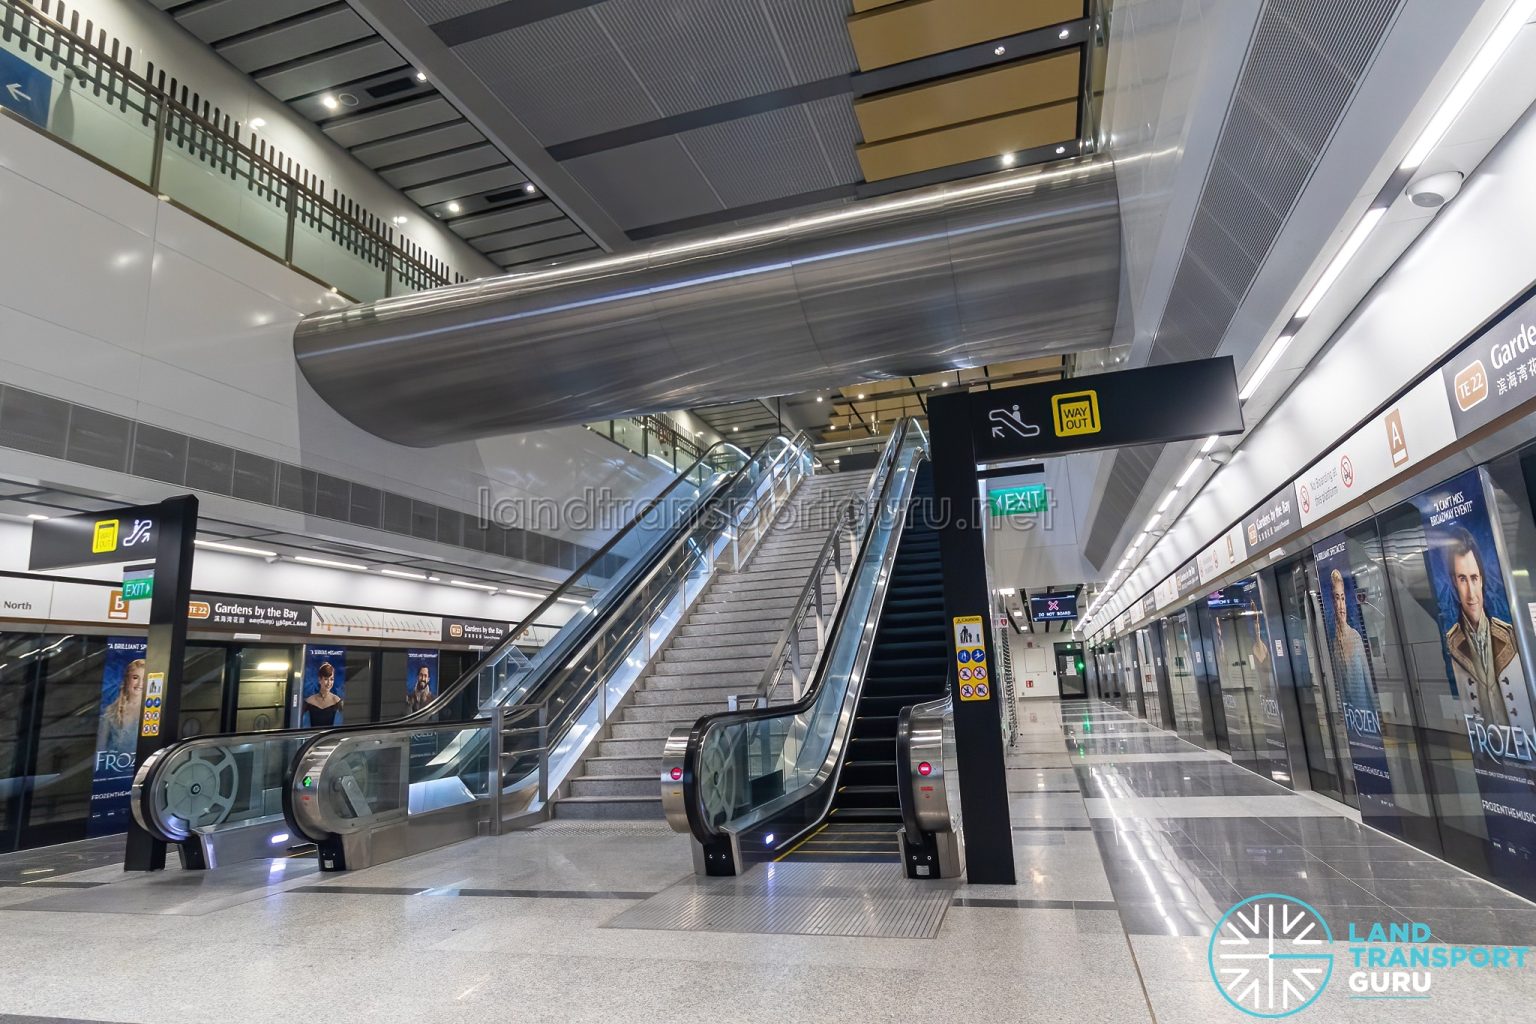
(971, 658)
(154, 700)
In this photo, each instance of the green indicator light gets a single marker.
(308, 781)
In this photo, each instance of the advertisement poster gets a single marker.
(1344, 625)
(325, 686)
(420, 679)
(1485, 674)
(117, 735)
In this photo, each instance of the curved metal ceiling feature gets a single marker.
(1002, 268)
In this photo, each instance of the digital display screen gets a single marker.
(1053, 607)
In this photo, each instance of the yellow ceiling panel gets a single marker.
(986, 93)
(963, 143)
(888, 34)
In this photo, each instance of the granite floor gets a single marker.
(1129, 844)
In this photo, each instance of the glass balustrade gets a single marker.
(576, 694)
(753, 762)
(152, 132)
(211, 784)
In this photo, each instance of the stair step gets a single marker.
(717, 627)
(608, 808)
(864, 814)
(721, 659)
(674, 714)
(656, 731)
(714, 655)
(615, 785)
(609, 765)
(686, 666)
(729, 642)
(774, 602)
(712, 695)
(668, 678)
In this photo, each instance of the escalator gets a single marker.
(229, 797)
(816, 779)
(906, 667)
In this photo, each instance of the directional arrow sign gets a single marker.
(25, 88)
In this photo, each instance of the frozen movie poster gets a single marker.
(1253, 632)
(325, 686)
(1344, 625)
(1485, 676)
(420, 679)
(117, 734)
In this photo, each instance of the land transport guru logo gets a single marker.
(1272, 956)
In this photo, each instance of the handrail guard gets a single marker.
(928, 785)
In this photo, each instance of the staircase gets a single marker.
(909, 665)
(720, 649)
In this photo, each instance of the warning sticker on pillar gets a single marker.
(971, 674)
(154, 700)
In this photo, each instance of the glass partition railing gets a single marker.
(739, 769)
(221, 795)
(86, 93)
(435, 778)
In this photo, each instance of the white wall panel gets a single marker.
(1479, 253)
(146, 312)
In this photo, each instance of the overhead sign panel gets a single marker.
(98, 538)
(1053, 607)
(1018, 501)
(1108, 410)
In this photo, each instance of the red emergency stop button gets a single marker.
(925, 769)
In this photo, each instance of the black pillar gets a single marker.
(978, 723)
(176, 527)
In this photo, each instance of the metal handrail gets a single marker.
(147, 779)
(119, 79)
(851, 517)
(680, 771)
(305, 816)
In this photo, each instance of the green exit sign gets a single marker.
(1018, 501)
(138, 586)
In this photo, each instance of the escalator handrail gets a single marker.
(447, 695)
(700, 730)
(147, 777)
(855, 506)
(556, 729)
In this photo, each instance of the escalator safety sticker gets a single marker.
(971, 658)
(154, 699)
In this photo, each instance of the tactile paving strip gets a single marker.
(865, 900)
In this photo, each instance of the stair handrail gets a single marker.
(851, 521)
(313, 759)
(683, 770)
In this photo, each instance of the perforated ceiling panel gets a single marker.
(1305, 62)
